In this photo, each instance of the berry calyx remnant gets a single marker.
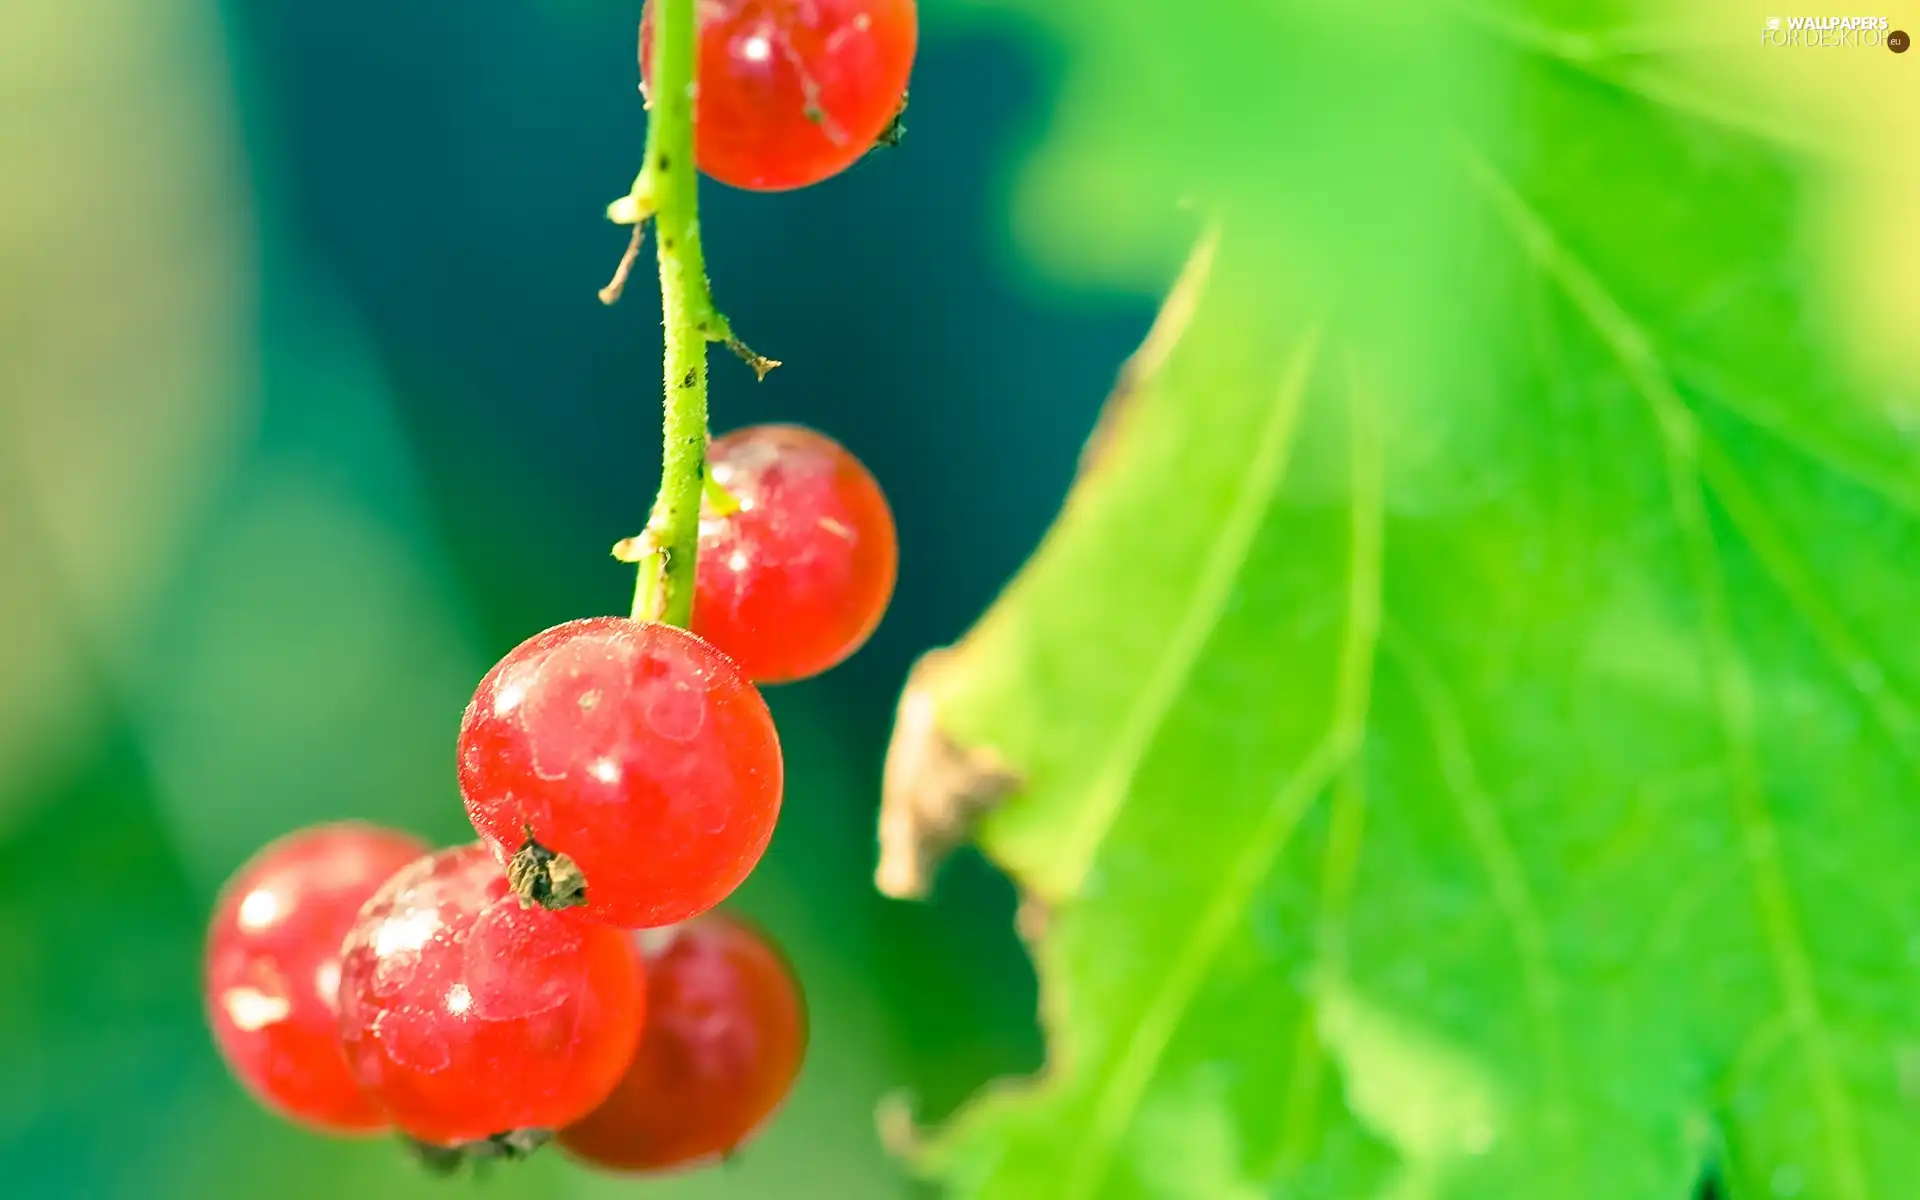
(543, 878)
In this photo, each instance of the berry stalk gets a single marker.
(667, 189)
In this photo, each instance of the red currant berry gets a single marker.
(626, 759)
(796, 577)
(273, 968)
(794, 91)
(466, 1015)
(723, 1044)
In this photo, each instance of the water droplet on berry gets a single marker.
(677, 711)
(515, 964)
(411, 1038)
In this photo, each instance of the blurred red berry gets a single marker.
(273, 968)
(799, 575)
(725, 1037)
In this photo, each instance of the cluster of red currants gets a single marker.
(566, 973)
(568, 976)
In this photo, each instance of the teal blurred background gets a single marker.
(308, 411)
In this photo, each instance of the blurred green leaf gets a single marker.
(1466, 709)
(122, 382)
(311, 657)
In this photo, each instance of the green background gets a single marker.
(308, 411)
(1468, 692)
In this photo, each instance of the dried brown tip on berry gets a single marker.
(511, 1146)
(896, 129)
(540, 878)
(435, 1160)
(933, 789)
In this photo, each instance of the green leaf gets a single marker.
(1464, 717)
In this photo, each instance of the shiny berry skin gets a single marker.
(794, 91)
(465, 1015)
(724, 1041)
(638, 751)
(273, 968)
(796, 579)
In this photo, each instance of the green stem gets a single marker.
(668, 189)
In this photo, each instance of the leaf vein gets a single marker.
(1119, 1098)
(1796, 582)
(1346, 835)
(1597, 56)
(1512, 894)
(1680, 440)
(1103, 800)
(1738, 401)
